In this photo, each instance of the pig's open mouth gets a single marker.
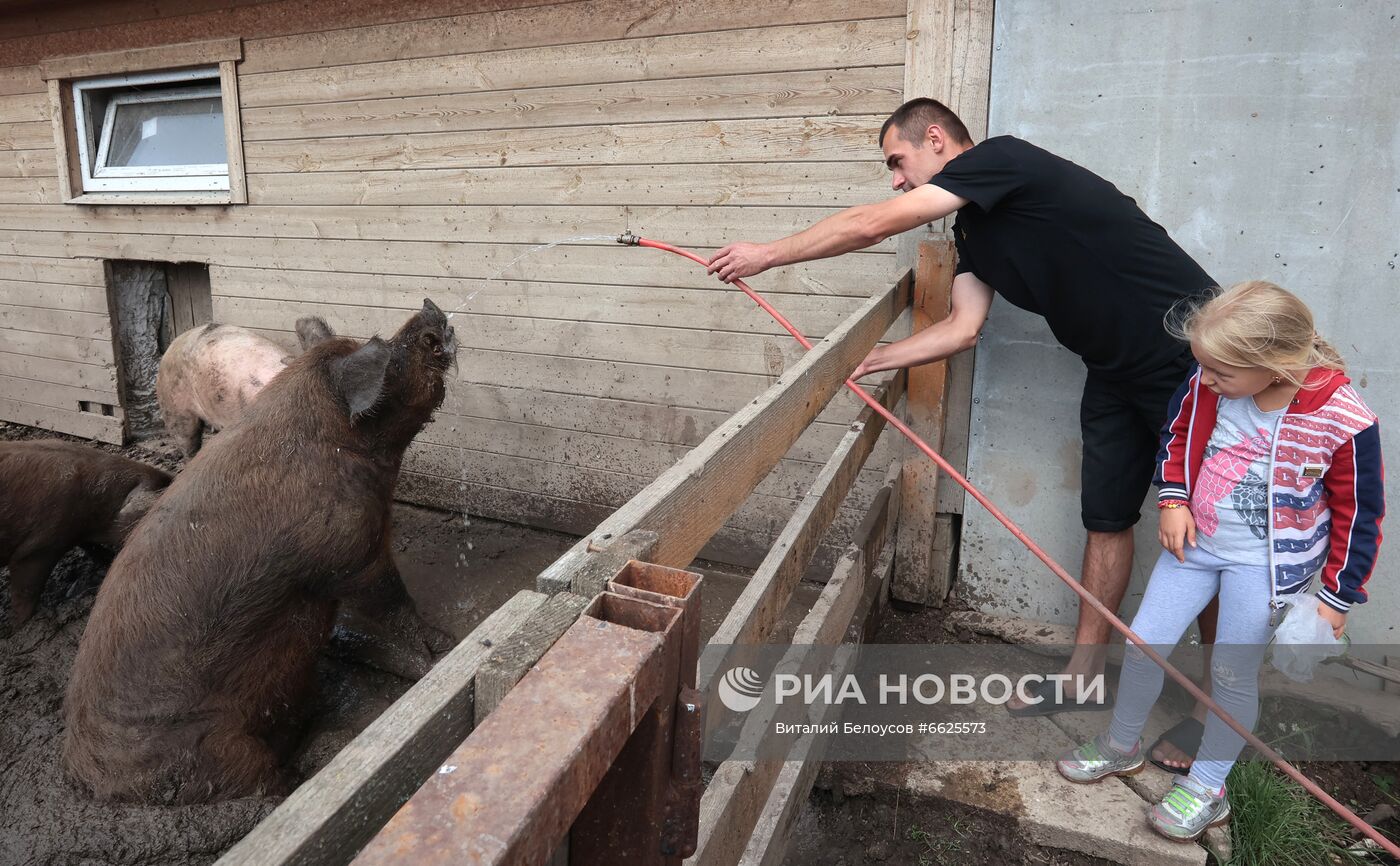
(448, 352)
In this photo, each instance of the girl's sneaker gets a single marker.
(1097, 760)
(1188, 811)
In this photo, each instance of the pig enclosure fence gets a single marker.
(403, 766)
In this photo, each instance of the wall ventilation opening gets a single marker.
(152, 304)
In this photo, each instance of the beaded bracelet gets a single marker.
(1173, 503)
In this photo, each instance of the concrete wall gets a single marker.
(1262, 135)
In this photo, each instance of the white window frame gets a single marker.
(99, 177)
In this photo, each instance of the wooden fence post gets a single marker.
(919, 578)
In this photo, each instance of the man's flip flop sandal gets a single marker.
(1048, 705)
(1186, 736)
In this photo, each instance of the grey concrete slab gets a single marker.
(1262, 134)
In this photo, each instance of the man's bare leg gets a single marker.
(1108, 563)
(1166, 752)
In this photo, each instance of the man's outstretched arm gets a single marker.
(971, 299)
(852, 229)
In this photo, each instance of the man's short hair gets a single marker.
(915, 116)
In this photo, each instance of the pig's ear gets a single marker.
(359, 376)
(312, 330)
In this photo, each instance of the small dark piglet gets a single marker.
(56, 494)
(194, 677)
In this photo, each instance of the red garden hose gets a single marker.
(1184, 681)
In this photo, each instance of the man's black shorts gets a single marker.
(1121, 423)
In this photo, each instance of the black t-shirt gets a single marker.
(1058, 240)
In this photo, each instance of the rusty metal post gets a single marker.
(511, 791)
(646, 809)
(564, 746)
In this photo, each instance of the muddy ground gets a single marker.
(457, 568)
(859, 831)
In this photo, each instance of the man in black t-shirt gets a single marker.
(1057, 240)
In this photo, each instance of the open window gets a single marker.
(149, 126)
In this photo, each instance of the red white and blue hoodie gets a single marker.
(1327, 489)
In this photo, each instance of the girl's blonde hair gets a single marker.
(1257, 324)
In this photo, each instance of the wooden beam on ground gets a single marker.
(759, 607)
(331, 816)
(740, 789)
(512, 658)
(916, 578)
(688, 503)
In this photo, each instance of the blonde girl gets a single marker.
(1269, 475)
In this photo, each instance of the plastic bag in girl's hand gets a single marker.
(1304, 639)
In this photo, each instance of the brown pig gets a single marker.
(194, 675)
(210, 374)
(56, 494)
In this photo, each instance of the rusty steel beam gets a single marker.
(512, 791)
(646, 810)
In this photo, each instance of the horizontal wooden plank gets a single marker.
(768, 844)
(828, 184)
(90, 326)
(606, 416)
(759, 513)
(57, 347)
(52, 394)
(597, 262)
(24, 108)
(719, 308)
(53, 18)
(141, 59)
(701, 389)
(454, 447)
(30, 190)
(543, 376)
(729, 545)
(629, 454)
(28, 163)
(637, 344)
(755, 614)
(516, 224)
(786, 139)
(663, 420)
(101, 379)
(21, 79)
(54, 296)
(840, 45)
(860, 90)
(734, 542)
(32, 135)
(85, 424)
(691, 500)
(554, 24)
(736, 794)
(45, 269)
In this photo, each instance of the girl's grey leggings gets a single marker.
(1176, 595)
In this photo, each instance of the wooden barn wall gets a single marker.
(390, 160)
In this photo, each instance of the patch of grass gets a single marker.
(938, 852)
(1276, 823)
(1386, 783)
